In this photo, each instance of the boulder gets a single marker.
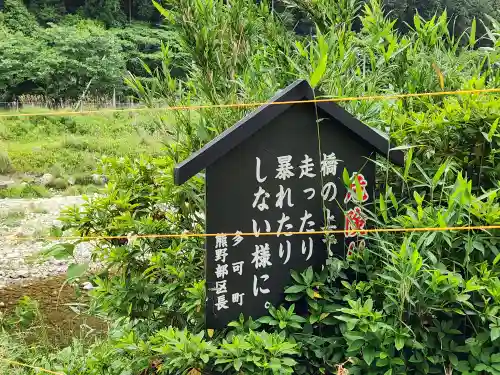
(46, 179)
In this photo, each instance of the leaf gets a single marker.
(418, 198)
(472, 35)
(296, 277)
(323, 316)
(355, 346)
(210, 332)
(430, 238)
(493, 129)
(346, 179)
(439, 74)
(388, 372)
(368, 304)
(237, 364)
(296, 289)
(288, 361)
(453, 359)
(494, 333)
(359, 191)
(164, 12)
(399, 342)
(309, 274)
(76, 270)
(393, 200)
(408, 161)
(297, 318)
(59, 251)
(319, 70)
(293, 297)
(496, 367)
(397, 361)
(264, 319)
(479, 246)
(383, 208)
(438, 174)
(480, 367)
(496, 260)
(368, 355)
(275, 363)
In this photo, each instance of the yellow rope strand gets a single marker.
(257, 104)
(189, 235)
(31, 367)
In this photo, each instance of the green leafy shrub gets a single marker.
(83, 179)
(37, 145)
(5, 163)
(58, 183)
(25, 190)
(18, 18)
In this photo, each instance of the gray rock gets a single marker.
(87, 285)
(46, 179)
(14, 252)
(98, 179)
(6, 184)
(23, 273)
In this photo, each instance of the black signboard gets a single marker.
(280, 170)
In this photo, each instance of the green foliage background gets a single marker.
(56, 48)
(49, 51)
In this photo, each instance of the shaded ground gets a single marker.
(59, 321)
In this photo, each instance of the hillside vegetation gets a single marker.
(69, 149)
(66, 50)
(59, 51)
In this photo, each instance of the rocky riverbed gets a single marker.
(32, 218)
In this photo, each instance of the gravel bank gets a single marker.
(31, 218)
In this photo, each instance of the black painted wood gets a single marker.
(299, 90)
(230, 187)
(244, 184)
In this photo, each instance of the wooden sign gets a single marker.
(277, 171)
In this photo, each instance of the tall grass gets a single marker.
(75, 144)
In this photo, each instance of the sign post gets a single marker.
(281, 170)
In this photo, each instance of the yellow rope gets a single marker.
(31, 367)
(188, 235)
(257, 104)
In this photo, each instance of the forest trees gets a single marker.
(101, 40)
(75, 55)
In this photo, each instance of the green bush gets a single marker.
(24, 190)
(37, 145)
(83, 179)
(58, 184)
(5, 163)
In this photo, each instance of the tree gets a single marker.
(18, 63)
(84, 54)
(18, 18)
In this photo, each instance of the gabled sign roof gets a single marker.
(257, 119)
